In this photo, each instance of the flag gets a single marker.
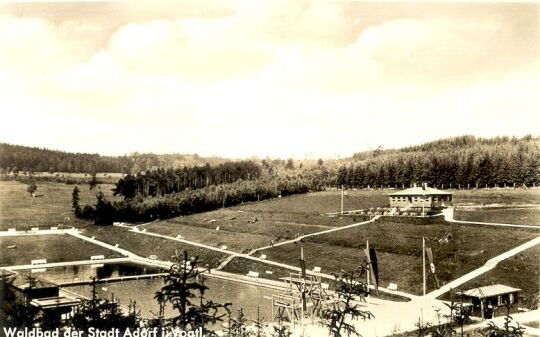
(373, 267)
(303, 268)
(303, 284)
(429, 254)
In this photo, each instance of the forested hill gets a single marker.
(24, 158)
(451, 162)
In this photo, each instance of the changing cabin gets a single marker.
(420, 197)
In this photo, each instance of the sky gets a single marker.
(303, 79)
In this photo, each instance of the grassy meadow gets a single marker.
(256, 224)
(145, 245)
(50, 207)
(520, 271)
(512, 215)
(498, 196)
(399, 247)
(53, 248)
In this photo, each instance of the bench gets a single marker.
(36, 262)
(392, 286)
(253, 274)
(317, 269)
(54, 228)
(263, 257)
(12, 230)
(97, 257)
(34, 229)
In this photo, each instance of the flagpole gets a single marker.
(303, 289)
(341, 199)
(369, 265)
(424, 265)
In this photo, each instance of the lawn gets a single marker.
(518, 196)
(54, 248)
(234, 241)
(255, 224)
(511, 215)
(405, 271)
(50, 207)
(145, 245)
(399, 249)
(520, 271)
(321, 202)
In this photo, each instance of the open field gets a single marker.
(399, 249)
(520, 271)
(234, 241)
(321, 202)
(145, 245)
(50, 207)
(512, 215)
(54, 248)
(255, 224)
(490, 196)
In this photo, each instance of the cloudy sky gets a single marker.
(277, 78)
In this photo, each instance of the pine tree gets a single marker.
(75, 201)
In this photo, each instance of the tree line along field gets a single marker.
(53, 204)
(398, 244)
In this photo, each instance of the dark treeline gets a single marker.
(15, 158)
(142, 209)
(167, 181)
(459, 161)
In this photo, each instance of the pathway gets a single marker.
(38, 232)
(67, 263)
(489, 265)
(232, 255)
(449, 217)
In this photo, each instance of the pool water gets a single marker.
(77, 273)
(245, 296)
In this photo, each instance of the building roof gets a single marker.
(490, 291)
(420, 191)
(55, 302)
(20, 281)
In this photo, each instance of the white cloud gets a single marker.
(277, 79)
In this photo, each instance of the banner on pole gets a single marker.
(373, 267)
(429, 254)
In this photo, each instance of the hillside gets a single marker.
(452, 162)
(23, 158)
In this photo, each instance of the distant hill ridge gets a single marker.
(458, 161)
(461, 161)
(25, 158)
